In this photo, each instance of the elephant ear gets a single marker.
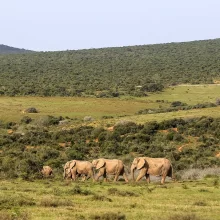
(67, 165)
(72, 164)
(100, 164)
(141, 163)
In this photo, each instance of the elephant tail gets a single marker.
(170, 172)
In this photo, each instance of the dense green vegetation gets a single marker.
(110, 72)
(188, 143)
(4, 49)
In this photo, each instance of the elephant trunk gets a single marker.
(64, 174)
(132, 171)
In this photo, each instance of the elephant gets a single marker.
(46, 171)
(107, 166)
(76, 168)
(152, 166)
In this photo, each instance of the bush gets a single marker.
(109, 216)
(101, 198)
(177, 103)
(26, 120)
(55, 202)
(116, 192)
(31, 110)
(77, 190)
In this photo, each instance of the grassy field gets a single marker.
(119, 108)
(190, 94)
(57, 199)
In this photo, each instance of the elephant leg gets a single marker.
(105, 177)
(99, 174)
(147, 178)
(141, 174)
(125, 177)
(84, 177)
(116, 177)
(91, 175)
(74, 177)
(163, 178)
(87, 177)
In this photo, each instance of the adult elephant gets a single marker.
(47, 171)
(111, 167)
(75, 168)
(152, 166)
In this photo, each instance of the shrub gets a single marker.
(107, 117)
(26, 120)
(109, 216)
(97, 131)
(177, 103)
(31, 110)
(101, 198)
(124, 127)
(114, 191)
(77, 190)
(55, 202)
(150, 128)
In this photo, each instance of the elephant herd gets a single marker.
(147, 166)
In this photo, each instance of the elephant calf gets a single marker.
(152, 166)
(112, 167)
(75, 168)
(47, 171)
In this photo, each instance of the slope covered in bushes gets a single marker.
(188, 143)
(110, 72)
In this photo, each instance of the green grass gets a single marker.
(12, 107)
(54, 199)
(190, 94)
(123, 108)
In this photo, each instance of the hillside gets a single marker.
(4, 49)
(134, 70)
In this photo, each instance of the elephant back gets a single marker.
(113, 166)
(158, 166)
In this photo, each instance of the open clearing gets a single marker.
(12, 107)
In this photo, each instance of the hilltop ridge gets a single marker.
(4, 49)
(110, 72)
